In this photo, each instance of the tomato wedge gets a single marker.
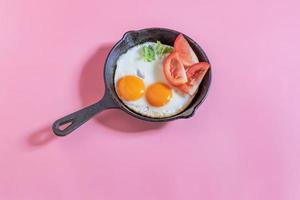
(182, 47)
(174, 70)
(195, 74)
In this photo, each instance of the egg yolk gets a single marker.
(130, 88)
(158, 94)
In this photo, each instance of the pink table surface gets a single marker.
(242, 144)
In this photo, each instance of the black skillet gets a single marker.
(111, 99)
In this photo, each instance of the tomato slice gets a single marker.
(183, 48)
(195, 74)
(174, 70)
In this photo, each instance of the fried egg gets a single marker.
(143, 88)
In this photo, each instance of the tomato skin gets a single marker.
(181, 71)
(174, 70)
(193, 70)
(182, 47)
(195, 74)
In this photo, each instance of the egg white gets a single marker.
(132, 63)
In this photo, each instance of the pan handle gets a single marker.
(76, 119)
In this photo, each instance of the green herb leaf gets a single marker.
(167, 49)
(148, 53)
(161, 49)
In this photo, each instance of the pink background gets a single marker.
(242, 144)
